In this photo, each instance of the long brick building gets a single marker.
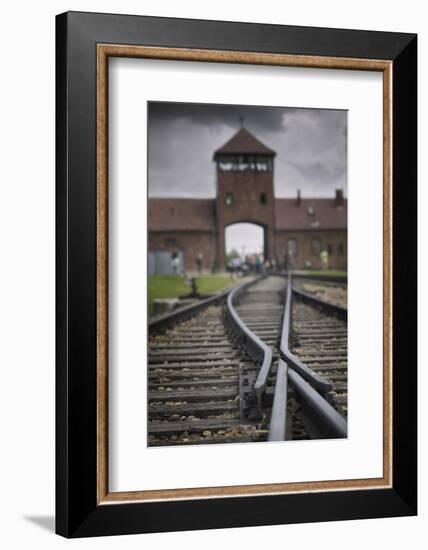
(297, 227)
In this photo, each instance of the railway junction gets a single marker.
(263, 361)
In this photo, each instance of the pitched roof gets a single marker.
(181, 214)
(310, 214)
(243, 142)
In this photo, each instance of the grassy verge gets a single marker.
(172, 286)
(213, 283)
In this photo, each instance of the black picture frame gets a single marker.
(77, 511)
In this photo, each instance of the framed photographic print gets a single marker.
(236, 274)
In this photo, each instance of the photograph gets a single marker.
(212, 280)
(247, 273)
(219, 185)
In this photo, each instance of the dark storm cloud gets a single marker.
(311, 146)
(202, 114)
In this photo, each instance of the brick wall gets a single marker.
(336, 240)
(252, 201)
(191, 243)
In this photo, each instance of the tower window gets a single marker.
(263, 198)
(244, 163)
(229, 199)
(330, 249)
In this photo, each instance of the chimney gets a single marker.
(338, 201)
(298, 200)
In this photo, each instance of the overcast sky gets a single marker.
(311, 147)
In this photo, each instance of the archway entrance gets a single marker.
(245, 245)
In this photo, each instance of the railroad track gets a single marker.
(328, 291)
(214, 371)
(197, 369)
(320, 341)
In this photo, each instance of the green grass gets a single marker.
(172, 286)
(213, 283)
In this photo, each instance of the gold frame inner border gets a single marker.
(104, 52)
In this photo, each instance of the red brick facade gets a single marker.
(245, 193)
(245, 197)
(191, 243)
(306, 256)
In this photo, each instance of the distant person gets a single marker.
(236, 266)
(199, 259)
(230, 266)
(259, 264)
(175, 263)
(324, 259)
(289, 261)
(273, 264)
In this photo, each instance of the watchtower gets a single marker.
(244, 189)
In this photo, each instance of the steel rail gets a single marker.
(330, 423)
(306, 383)
(340, 312)
(322, 278)
(315, 380)
(256, 348)
(278, 419)
(164, 321)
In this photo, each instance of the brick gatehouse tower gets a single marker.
(195, 227)
(244, 190)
